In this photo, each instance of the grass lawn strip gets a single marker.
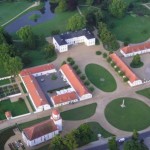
(144, 92)
(11, 9)
(23, 88)
(29, 100)
(4, 82)
(134, 116)
(17, 108)
(100, 77)
(79, 113)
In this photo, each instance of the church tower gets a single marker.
(57, 119)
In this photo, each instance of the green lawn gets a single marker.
(79, 113)
(16, 108)
(8, 10)
(100, 77)
(134, 116)
(23, 88)
(135, 29)
(59, 22)
(3, 82)
(98, 129)
(31, 104)
(144, 92)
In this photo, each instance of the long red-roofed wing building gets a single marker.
(75, 82)
(134, 49)
(64, 99)
(36, 94)
(133, 79)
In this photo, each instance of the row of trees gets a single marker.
(134, 144)
(78, 137)
(8, 57)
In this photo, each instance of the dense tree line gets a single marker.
(78, 137)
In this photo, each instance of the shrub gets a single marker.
(86, 83)
(125, 79)
(109, 59)
(83, 77)
(113, 64)
(121, 73)
(98, 52)
(117, 69)
(54, 32)
(63, 63)
(75, 67)
(69, 59)
(78, 71)
(97, 42)
(20, 99)
(72, 62)
(53, 77)
(91, 88)
(104, 55)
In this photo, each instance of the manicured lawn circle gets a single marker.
(79, 113)
(100, 77)
(134, 116)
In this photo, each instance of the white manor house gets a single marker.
(62, 41)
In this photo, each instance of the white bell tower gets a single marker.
(57, 119)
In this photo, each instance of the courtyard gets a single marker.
(144, 72)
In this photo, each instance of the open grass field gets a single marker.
(59, 22)
(100, 77)
(135, 29)
(16, 108)
(134, 116)
(144, 92)
(79, 113)
(8, 10)
(97, 129)
(4, 82)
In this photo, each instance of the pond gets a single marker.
(31, 18)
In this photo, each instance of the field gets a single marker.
(130, 117)
(100, 77)
(4, 82)
(144, 92)
(79, 113)
(16, 108)
(59, 22)
(8, 10)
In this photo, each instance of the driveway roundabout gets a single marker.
(128, 114)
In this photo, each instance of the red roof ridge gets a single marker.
(74, 80)
(123, 67)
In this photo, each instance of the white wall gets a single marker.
(40, 139)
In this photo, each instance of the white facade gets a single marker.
(44, 72)
(64, 103)
(39, 140)
(85, 96)
(73, 41)
(135, 83)
(134, 53)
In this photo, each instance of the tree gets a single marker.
(135, 135)
(57, 143)
(27, 36)
(70, 141)
(62, 6)
(76, 22)
(13, 65)
(49, 51)
(5, 37)
(93, 16)
(89, 2)
(117, 8)
(108, 39)
(136, 61)
(112, 144)
(72, 4)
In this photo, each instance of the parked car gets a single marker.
(121, 140)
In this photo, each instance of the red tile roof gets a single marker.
(123, 67)
(55, 112)
(8, 114)
(64, 97)
(40, 129)
(74, 80)
(37, 69)
(136, 47)
(35, 90)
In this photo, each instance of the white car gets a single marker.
(121, 140)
